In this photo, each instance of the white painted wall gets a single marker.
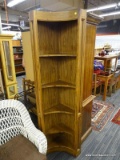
(113, 40)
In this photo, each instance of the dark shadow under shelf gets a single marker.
(58, 141)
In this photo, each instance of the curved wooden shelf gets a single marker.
(18, 53)
(17, 65)
(60, 108)
(17, 59)
(58, 83)
(60, 128)
(57, 55)
(20, 72)
(17, 46)
(59, 144)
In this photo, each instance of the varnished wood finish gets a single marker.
(10, 83)
(105, 80)
(59, 51)
(2, 92)
(54, 16)
(27, 50)
(18, 57)
(86, 108)
(89, 58)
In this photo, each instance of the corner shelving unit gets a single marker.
(58, 47)
(18, 57)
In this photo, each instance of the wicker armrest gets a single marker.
(20, 123)
(38, 138)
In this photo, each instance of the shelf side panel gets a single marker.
(89, 58)
(86, 116)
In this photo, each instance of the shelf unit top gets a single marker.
(55, 16)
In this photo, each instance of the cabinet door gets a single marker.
(7, 60)
(6, 53)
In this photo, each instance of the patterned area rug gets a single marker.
(101, 112)
(116, 118)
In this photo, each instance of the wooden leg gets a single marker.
(95, 91)
(105, 89)
(114, 88)
(110, 90)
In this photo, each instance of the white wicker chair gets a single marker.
(15, 120)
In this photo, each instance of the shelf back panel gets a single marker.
(58, 95)
(54, 39)
(60, 68)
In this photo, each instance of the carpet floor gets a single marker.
(101, 112)
(116, 118)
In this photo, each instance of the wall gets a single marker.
(108, 32)
(113, 40)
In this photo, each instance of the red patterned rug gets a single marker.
(116, 118)
(101, 112)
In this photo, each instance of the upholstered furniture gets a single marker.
(19, 139)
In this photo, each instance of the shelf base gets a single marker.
(64, 149)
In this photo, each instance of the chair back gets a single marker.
(12, 115)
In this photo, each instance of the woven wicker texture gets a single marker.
(15, 120)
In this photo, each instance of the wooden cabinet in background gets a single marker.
(27, 50)
(63, 68)
(18, 57)
(8, 69)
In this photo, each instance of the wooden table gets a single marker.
(105, 79)
(107, 60)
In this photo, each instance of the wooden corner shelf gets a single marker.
(60, 142)
(57, 55)
(58, 83)
(60, 128)
(63, 65)
(18, 57)
(60, 108)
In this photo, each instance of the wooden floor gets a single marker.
(104, 145)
